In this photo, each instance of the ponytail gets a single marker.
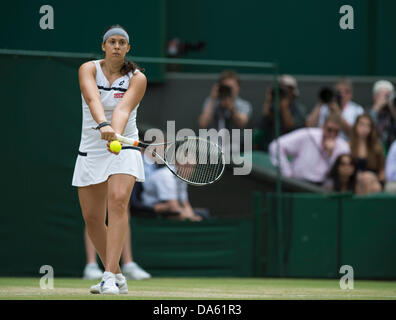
(129, 66)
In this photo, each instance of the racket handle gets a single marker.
(126, 140)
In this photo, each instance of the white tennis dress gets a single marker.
(94, 163)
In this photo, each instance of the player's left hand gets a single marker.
(108, 148)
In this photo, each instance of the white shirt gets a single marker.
(163, 186)
(390, 167)
(309, 160)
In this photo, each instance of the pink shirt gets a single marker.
(309, 160)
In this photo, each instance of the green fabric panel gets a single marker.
(195, 249)
(40, 214)
(368, 236)
(321, 233)
(311, 243)
(309, 236)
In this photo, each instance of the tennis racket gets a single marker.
(194, 160)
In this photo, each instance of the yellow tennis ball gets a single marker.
(115, 146)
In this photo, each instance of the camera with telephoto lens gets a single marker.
(327, 95)
(224, 92)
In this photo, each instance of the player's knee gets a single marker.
(118, 201)
(91, 218)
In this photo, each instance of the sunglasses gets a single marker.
(332, 130)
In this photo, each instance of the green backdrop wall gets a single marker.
(303, 36)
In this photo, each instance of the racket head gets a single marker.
(197, 161)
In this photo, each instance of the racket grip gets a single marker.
(126, 140)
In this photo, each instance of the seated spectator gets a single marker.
(390, 169)
(163, 192)
(383, 111)
(313, 151)
(342, 105)
(367, 183)
(297, 109)
(367, 150)
(224, 108)
(342, 176)
(291, 113)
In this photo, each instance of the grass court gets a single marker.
(202, 289)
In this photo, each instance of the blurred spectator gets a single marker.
(383, 111)
(224, 108)
(163, 192)
(390, 170)
(291, 112)
(297, 109)
(367, 182)
(130, 269)
(342, 176)
(312, 151)
(338, 102)
(367, 151)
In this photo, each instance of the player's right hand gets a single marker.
(107, 133)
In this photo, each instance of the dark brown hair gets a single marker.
(332, 117)
(229, 74)
(335, 177)
(128, 65)
(375, 156)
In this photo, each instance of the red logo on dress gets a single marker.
(118, 95)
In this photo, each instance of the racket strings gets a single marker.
(196, 160)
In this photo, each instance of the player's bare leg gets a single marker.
(93, 207)
(119, 191)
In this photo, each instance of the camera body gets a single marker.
(328, 95)
(224, 92)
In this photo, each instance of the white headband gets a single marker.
(114, 31)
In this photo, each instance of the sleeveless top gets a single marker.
(110, 97)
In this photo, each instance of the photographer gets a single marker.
(224, 109)
(337, 102)
(383, 111)
(264, 132)
(291, 113)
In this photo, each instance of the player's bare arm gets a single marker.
(131, 98)
(90, 92)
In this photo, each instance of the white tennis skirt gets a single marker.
(96, 168)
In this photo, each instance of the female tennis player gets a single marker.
(111, 90)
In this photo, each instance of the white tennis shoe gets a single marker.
(106, 287)
(92, 271)
(108, 284)
(133, 271)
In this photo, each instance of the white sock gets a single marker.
(108, 274)
(120, 277)
(92, 264)
(129, 264)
